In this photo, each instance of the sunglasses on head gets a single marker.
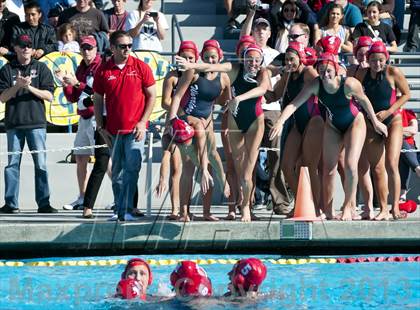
(124, 46)
(294, 36)
(87, 47)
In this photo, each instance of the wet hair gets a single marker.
(326, 18)
(32, 5)
(116, 35)
(64, 28)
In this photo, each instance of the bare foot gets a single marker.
(184, 218)
(330, 215)
(210, 218)
(382, 216)
(346, 215)
(246, 214)
(397, 214)
(231, 216)
(368, 214)
(173, 217)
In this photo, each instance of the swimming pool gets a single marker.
(322, 284)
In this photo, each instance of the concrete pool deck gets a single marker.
(31, 234)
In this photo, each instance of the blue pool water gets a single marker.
(308, 286)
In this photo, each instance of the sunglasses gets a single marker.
(124, 46)
(294, 36)
(87, 47)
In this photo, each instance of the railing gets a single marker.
(175, 25)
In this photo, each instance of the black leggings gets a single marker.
(408, 161)
(97, 175)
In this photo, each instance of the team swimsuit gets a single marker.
(248, 110)
(380, 94)
(340, 110)
(307, 110)
(199, 99)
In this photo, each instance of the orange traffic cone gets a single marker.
(304, 204)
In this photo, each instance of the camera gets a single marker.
(243, 6)
(259, 6)
(153, 14)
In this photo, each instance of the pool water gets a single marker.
(387, 285)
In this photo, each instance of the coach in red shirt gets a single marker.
(128, 85)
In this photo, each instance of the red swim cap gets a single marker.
(310, 57)
(191, 280)
(329, 44)
(328, 58)
(248, 274)
(408, 206)
(363, 41)
(212, 44)
(188, 45)
(253, 47)
(297, 48)
(136, 262)
(378, 47)
(246, 39)
(129, 289)
(181, 131)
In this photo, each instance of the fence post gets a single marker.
(149, 175)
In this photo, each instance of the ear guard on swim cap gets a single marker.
(129, 289)
(328, 58)
(329, 44)
(363, 41)
(188, 45)
(246, 39)
(248, 274)
(135, 262)
(310, 56)
(189, 279)
(181, 131)
(212, 44)
(378, 47)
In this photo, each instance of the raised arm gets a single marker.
(202, 67)
(352, 87)
(183, 84)
(167, 90)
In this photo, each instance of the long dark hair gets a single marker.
(326, 19)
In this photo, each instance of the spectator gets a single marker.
(116, 16)
(79, 89)
(85, 19)
(130, 91)
(67, 36)
(43, 36)
(24, 85)
(16, 6)
(292, 12)
(332, 26)
(413, 41)
(387, 7)
(147, 28)
(54, 5)
(408, 161)
(376, 29)
(352, 14)
(53, 16)
(7, 21)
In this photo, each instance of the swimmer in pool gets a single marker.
(135, 279)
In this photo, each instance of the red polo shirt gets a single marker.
(124, 93)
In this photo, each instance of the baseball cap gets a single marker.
(260, 21)
(23, 40)
(88, 40)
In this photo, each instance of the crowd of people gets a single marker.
(189, 280)
(290, 90)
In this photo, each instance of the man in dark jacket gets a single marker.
(24, 85)
(7, 21)
(43, 36)
(413, 41)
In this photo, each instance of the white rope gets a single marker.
(56, 150)
(277, 150)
